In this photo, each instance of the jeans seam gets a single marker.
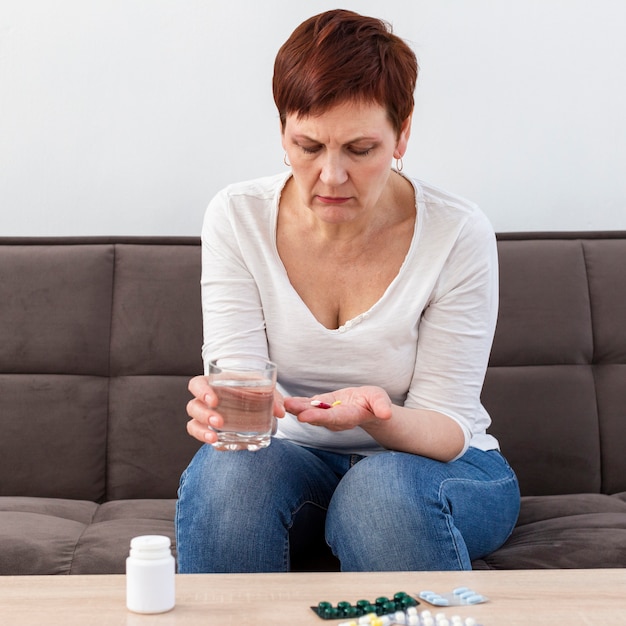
(299, 507)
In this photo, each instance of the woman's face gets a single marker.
(341, 159)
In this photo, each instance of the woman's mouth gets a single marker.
(333, 199)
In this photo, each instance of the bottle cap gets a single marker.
(150, 546)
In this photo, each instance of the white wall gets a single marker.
(126, 116)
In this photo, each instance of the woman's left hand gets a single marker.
(417, 431)
(349, 407)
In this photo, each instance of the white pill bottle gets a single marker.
(150, 574)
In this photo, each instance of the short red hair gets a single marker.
(340, 55)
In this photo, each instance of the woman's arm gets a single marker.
(232, 313)
(418, 431)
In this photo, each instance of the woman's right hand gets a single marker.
(202, 409)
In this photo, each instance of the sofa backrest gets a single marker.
(97, 342)
(556, 384)
(99, 336)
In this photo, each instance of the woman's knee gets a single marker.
(388, 480)
(279, 478)
(387, 514)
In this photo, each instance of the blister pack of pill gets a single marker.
(400, 609)
(458, 596)
(411, 617)
(381, 606)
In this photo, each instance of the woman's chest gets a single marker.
(336, 286)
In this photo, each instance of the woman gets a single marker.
(365, 287)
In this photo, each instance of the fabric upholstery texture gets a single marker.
(99, 336)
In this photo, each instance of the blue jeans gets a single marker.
(389, 511)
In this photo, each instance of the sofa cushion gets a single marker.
(607, 290)
(104, 545)
(545, 314)
(39, 535)
(59, 536)
(55, 309)
(53, 442)
(565, 531)
(148, 445)
(156, 314)
(611, 396)
(547, 426)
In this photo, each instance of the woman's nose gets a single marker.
(333, 171)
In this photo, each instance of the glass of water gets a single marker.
(245, 390)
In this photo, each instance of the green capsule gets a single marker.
(343, 606)
(389, 607)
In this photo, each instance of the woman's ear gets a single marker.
(403, 138)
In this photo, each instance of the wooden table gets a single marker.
(529, 597)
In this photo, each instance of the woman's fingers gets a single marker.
(202, 433)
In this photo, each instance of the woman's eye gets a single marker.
(310, 149)
(361, 151)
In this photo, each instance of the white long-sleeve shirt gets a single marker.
(426, 341)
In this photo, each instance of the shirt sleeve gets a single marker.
(456, 329)
(232, 313)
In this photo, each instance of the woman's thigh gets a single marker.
(235, 509)
(397, 511)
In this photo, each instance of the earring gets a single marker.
(399, 164)
(285, 161)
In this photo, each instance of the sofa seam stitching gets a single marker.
(109, 373)
(82, 534)
(593, 363)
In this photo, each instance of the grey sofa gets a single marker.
(99, 336)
